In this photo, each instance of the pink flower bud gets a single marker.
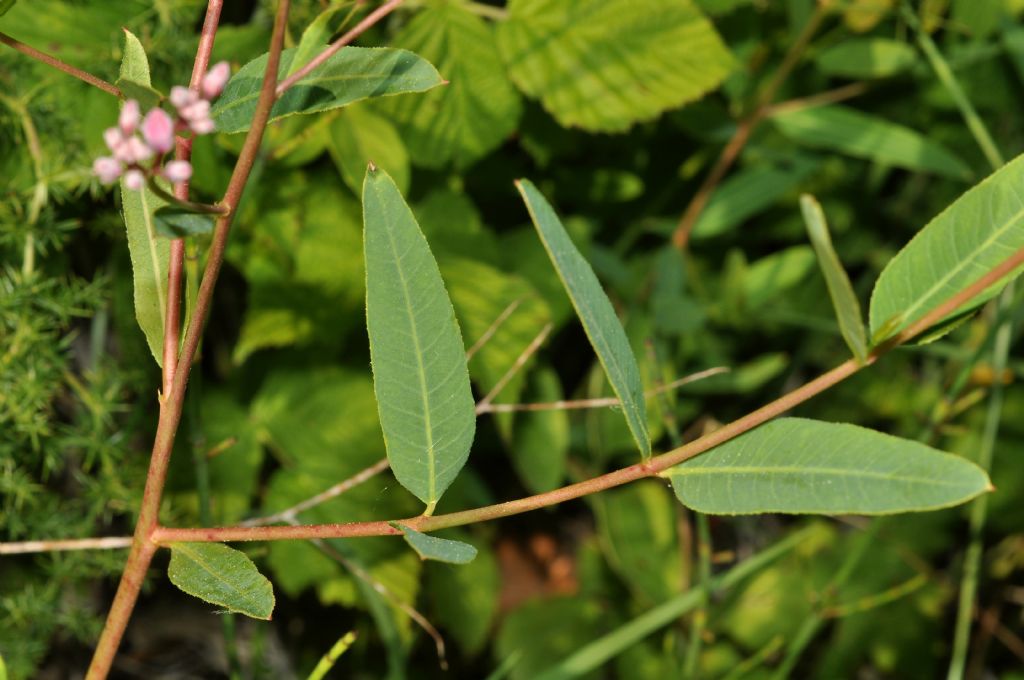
(134, 179)
(158, 130)
(129, 117)
(202, 126)
(182, 97)
(107, 169)
(215, 79)
(113, 137)
(136, 151)
(178, 171)
(196, 110)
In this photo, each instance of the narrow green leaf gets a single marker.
(175, 222)
(350, 75)
(862, 135)
(222, 576)
(5, 7)
(977, 232)
(800, 466)
(844, 300)
(473, 114)
(604, 65)
(748, 193)
(867, 58)
(434, 548)
(419, 362)
(595, 311)
(147, 96)
(150, 254)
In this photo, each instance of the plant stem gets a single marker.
(357, 30)
(731, 152)
(183, 152)
(653, 467)
(597, 652)
(59, 65)
(143, 544)
(516, 366)
(979, 507)
(949, 81)
(105, 543)
(203, 208)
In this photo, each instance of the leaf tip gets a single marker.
(371, 167)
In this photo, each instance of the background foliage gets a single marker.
(616, 111)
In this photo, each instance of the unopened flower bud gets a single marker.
(158, 130)
(182, 97)
(215, 79)
(203, 126)
(113, 137)
(134, 179)
(196, 110)
(107, 169)
(178, 171)
(129, 117)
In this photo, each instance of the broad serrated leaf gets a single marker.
(420, 378)
(595, 311)
(223, 576)
(844, 300)
(800, 466)
(977, 232)
(175, 222)
(358, 136)
(867, 58)
(479, 107)
(434, 548)
(863, 135)
(604, 65)
(350, 75)
(150, 254)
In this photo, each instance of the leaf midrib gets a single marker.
(796, 470)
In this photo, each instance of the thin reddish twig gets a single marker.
(517, 366)
(56, 63)
(356, 31)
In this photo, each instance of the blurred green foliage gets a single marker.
(282, 407)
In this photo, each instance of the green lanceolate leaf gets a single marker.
(800, 466)
(977, 232)
(867, 58)
(350, 75)
(150, 254)
(595, 311)
(844, 300)
(175, 222)
(477, 110)
(147, 96)
(862, 135)
(419, 363)
(222, 576)
(604, 65)
(434, 548)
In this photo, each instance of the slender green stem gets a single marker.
(597, 652)
(979, 507)
(327, 661)
(945, 75)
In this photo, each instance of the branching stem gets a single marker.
(59, 65)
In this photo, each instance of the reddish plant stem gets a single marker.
(356, 31)
(650, 468)
(143, 544)
(183, 152)
(731, 152)
(59, 65)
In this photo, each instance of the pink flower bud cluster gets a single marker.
(137, 157)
